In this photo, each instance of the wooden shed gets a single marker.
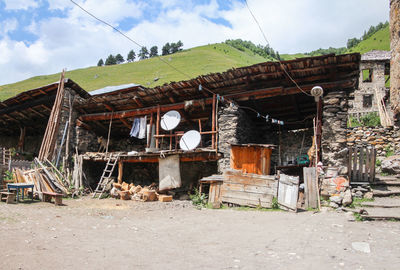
(251, 158)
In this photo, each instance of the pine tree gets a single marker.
(166, 49)
(131, 56)
(111, 60)
(153, 51)
(143, 53)
(174, 47)
(100, 63)
(179, 44)
(119, 59)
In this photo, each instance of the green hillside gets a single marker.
(149, 72)
(378, 41)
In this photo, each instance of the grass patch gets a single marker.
(358, 201)
(358, 217)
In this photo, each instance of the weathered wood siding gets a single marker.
(248, 189)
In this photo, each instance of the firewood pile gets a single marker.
(127, 191)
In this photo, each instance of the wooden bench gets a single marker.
(9, 196)
(47, 196)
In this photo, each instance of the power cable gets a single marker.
(282, 66)
(201, 87)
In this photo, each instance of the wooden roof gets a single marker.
(31, 109)
(265, 83)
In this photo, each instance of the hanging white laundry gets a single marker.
(142, 129)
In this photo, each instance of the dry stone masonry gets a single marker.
(334, 130)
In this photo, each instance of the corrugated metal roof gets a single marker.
(112, 88)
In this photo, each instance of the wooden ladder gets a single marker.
(6, 156)
(106, 176)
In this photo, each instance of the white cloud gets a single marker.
(21, 4)
(8, 25)
(291, 26)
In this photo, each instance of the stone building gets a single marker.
(256, 104)
(395, 63)
(374, 73)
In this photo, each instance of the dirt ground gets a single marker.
(114, 234)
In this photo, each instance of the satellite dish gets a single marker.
(190, 140)
(170, 120)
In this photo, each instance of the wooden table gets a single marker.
(19, 186)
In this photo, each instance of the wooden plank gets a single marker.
(288, 191)
(250, 203)
(373, 162)
(310, 188)
(360, 164)
(120, 171)
(249, 181)
(248, 188)
(367, 165)
(349, 167)
(355, 175)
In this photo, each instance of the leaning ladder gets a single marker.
(106, 176)
(6, 157)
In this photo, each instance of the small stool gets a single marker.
(9, 196)
(47, 196)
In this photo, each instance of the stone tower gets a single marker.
(395, 61)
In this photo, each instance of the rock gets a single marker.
(347, 198)
(391, 165)
(361, 189)
(336, 199)
(333, 205)
(350, 216)
(369, 195)
(358, 194)
(361, 247)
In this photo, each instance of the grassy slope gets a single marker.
(378, 41)
(194, 62)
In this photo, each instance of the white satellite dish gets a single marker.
(190, 140)
(170, 120)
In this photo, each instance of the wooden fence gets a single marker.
(361, 164)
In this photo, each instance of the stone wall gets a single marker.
(384, 139)
(235, 127)
(67, 106)
(395, 60)
(334, 130)
(368, 88)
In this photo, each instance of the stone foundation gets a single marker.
(334, 130)
(235, 127)
(385, 140)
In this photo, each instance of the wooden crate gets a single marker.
(251, 158)
(248, 189)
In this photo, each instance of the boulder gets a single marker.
(347, 198)
(336, 199)
(391, 165)
(333, 205)
(369, 195)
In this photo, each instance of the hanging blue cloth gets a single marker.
(135, 128)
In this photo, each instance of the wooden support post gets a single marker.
(120, 171)
(21, 140)
(150, 131)
(201, 141)
(319, 131)
(158, 126)
(213, 120)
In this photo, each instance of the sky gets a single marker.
(39, 37)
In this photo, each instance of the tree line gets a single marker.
(144, 53)
(264, 51)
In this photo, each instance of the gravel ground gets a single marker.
(114, 234)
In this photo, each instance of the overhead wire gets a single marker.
(201, 87)
(266, 40)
